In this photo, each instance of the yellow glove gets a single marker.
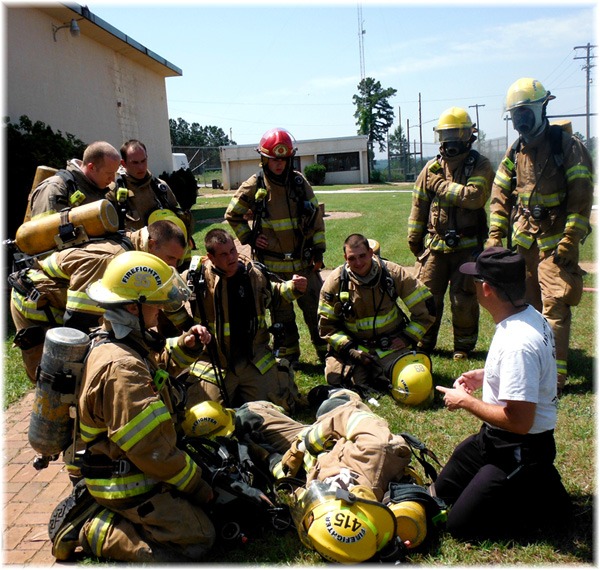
(567, 253)
(293, 459)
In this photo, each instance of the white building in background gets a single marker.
(345, 159)
(98, 84)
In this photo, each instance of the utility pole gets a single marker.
(420, 133)
(477, 117)
(588, 66)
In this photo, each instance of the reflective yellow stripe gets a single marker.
(578, 171)
(52, 269)
(339, 339)
(183, 478)
(354, 420)
(30, 311)
(98, 529)
(577, 221)
(418, 295)
(141, 425)
(561, 366)
(120, 487)
(503, 181)
(90, 433)
(79, 301)
(178, 355)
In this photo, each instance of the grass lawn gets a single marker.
(383, 216)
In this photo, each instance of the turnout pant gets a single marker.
(247, 384)
(163, 528)
(553, 290)
(436, 270)
(308, 303)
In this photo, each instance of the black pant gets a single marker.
(500, 484)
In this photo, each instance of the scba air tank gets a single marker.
(95, 219)
(51, 424)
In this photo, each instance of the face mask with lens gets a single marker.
(527, 120)
(451, 149)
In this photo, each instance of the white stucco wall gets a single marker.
(78, 85)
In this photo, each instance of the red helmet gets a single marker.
(277, 143)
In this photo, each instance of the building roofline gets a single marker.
(96, 28)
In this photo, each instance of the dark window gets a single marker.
(339, 162)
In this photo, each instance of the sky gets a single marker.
(250, 67)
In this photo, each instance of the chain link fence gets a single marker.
(205, 163)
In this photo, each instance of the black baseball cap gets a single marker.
(497, 265)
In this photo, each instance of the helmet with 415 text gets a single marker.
(277, 143)
(454, 124)
(343, 527)
(139, 277)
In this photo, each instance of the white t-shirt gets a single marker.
(521, 366)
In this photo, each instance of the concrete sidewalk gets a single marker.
(29, 495)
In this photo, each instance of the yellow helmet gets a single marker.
(454, 124)
(209, 419)
(343, 527)
(411, 522)
(374, 245)
(137, 276)
(166, 214)
(412, 383)
(526, 91)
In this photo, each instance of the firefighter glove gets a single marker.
(360, 357)
(494, 238)
(293, 459)
(567, 253)
(416, 245)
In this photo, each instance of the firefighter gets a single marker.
(82, 182)
(541, 202)
(146, 193)
(360, 318)
(232, 299)
(53, 293)
(347, 448)
(141, 497)
(447, 226)
(287, 233)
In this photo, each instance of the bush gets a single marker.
(29, 145)
(378, 176)
(184, 186)
(315, 174)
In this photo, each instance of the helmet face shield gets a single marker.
(172, 294)
(453, 135)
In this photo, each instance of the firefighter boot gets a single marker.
(67, 519)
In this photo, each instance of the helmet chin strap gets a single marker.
(153, 339)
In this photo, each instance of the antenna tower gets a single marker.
(361, 44)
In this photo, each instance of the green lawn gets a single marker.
(383, 216)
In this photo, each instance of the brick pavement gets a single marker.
(29, 495)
